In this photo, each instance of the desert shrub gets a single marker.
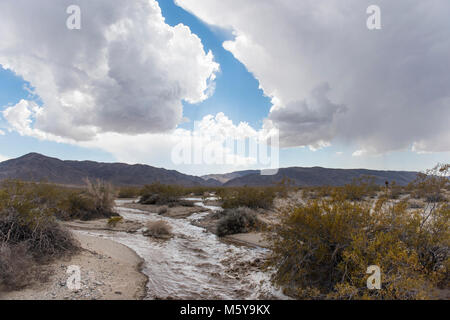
(360, 188)
(284, 186)
(15, 266)
(415, 205)
(322, 250)
(160, 194)
(395, 191)
(96, 201)
(129, 192)
(113, 221)
(29, 232)
(240, 220)
(434, 197)
(431, 184)
(310, 193)
(324, 191)
(76, 206)
(251, 197)
(158, 229)
(43, 235)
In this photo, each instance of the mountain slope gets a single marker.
(317, 176)
(36, 167)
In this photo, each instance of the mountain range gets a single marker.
(37, 167)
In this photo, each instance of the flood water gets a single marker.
(194, 263)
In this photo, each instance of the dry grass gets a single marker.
(15, 266)
(159, 229)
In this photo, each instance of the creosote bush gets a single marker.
(240, 220)
(359, 188)
(158, 193)
(322, 250)
(129, 192)
(251, 197)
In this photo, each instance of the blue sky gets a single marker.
(238, 94)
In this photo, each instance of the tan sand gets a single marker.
(102, 225)
(109, 271)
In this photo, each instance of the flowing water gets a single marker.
(194, 263)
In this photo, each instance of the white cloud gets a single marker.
(2, 133)
(333, 80)
(3, 158)
(208, 139)
(359, 153)
(20, 119)
(126, 71)
(19, 116)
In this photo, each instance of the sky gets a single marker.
(180, 83)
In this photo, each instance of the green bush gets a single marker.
(15, 266)
(29, 232)
(240, 220)
(129, 192)
(251, 197)
(160, 194)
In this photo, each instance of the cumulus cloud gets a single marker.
(202, 150)
(212, 146)
(310, 122)
(385, 90)
(126, 71)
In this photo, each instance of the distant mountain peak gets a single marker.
(37, 167)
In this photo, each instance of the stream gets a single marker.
(194, 263)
